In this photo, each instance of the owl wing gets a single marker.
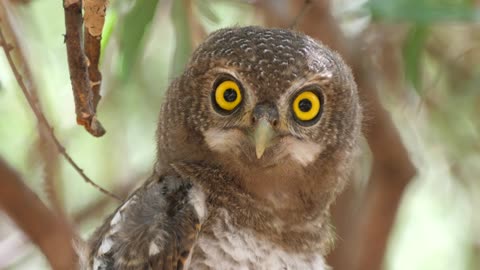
(155, 228)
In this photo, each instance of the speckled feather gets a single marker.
(211, 203)
(160, 217)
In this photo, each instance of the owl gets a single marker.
(255, 140)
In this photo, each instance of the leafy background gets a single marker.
(423, 55)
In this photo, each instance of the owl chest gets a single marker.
(226, 247)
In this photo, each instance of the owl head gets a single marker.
(257, 100)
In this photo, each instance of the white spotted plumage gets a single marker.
(236, 248)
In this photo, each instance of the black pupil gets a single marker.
(230, 95)
(305, 105)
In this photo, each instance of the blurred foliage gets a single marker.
(412, 53)
(425, 11)
(183, 37)
(435, 104)
(136, 22)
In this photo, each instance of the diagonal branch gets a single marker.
(49, 232)
(48, 154)
(41, 117)
(85, 106)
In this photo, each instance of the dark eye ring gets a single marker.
(307, 106)
(226, 95)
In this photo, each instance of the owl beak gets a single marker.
(262, 136)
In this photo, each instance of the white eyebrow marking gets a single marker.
(321, 79)
(284, 98)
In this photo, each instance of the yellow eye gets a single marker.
(306, 106)
(228, 95)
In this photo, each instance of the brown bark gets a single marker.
(49, 232)
(363, 233)
(94, 21)
(77, 64)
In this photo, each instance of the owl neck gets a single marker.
(296, 231)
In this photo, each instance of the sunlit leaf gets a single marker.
(110, 23)
(412, 54)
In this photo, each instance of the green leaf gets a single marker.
(110, 22)
(412, 55)
(183, 40)
(133, 28)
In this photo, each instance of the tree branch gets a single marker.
(41, 117)
(49, 232)
(77, 64)
(391, 172)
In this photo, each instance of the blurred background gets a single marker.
(414, 200)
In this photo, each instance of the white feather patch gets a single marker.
(197, 200)
(105, 247)
(237, 248)
(97, 264)
(116, 219)
(222, 140)
(153, 249)
(304, 152)
(115, 223)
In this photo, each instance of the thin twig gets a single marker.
(48, 154)
(52, 234)
(51, 182)
(306, 5)
(95, 208)
(42, 119)
(20, 2)
(78, 67)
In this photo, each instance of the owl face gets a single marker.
(263, 131)
(267, 97)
